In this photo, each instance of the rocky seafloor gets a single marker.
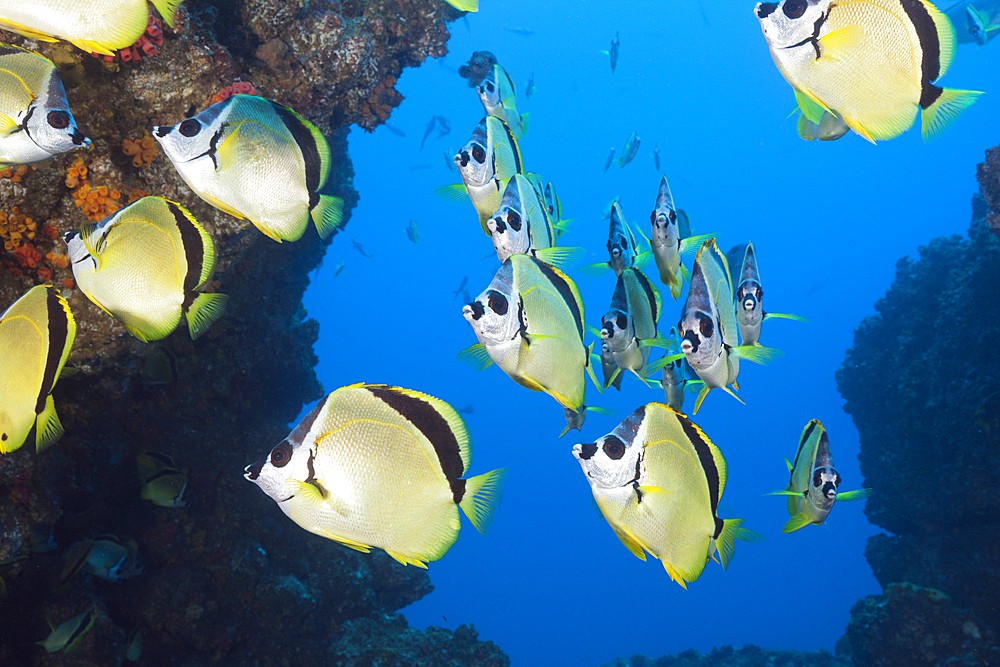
(221, 584)
(922, 383)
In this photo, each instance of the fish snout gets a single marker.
(497, 225)
(584, 451)
(79, 138)
(473, 310)
(161, 130)
(252, 471)
(462, 159)
(764, 9)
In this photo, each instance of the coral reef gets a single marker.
(226, 571)
(921, 383)
(727, 656)
(988, 173)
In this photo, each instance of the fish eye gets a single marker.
(794, 8)
(497, 303)
(760, 293)
(514, 220)
(614, 448)
(621, 321)
(190, 127)
(281, 454)
(58, 119)
(818, 477)
(479, 154)
(706, 326)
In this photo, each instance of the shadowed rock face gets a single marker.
(229, 579)
(921, 384)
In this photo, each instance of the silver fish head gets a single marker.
(496, 315)
(509, 225)
(615, 460)
(552, 204)
(474, 161)
(823, 489)
(621, 243)
(196, 136)
(290, 459)
(791, 22)
(489, 92)
(664, 219)
(49, 123)
(617, 330)
(749, 303)
(701, 341)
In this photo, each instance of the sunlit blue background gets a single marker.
(551, 584)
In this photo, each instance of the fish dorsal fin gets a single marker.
(946, 37)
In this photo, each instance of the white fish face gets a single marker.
(489, 94)
(615, 460)
(77, 251)
(474, 161)
(194, 137)
(290, 459)
(497, 315)
(509, 225)
(701, 341)
(621, 243)
(49, 123)
(617, 331)
(791, 22)
(822, 491)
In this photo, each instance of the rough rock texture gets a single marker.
(988, 174)
(229, 579)
(727, 656)
(922, 384)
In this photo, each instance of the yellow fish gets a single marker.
(96, 26)
(143, 265)
(36, 335)
(870, 62)
(657, 480)
(379, 466)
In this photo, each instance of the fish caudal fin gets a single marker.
(598, 269)
(476, 356)
(726, 542)
(48, 429)
(327, 215)
(204, 311)
(167, 9)
(481, 498)
(936, 118)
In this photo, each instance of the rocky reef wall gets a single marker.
(922, 383)
(228, 579)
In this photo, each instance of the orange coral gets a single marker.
(97, 203)
(15, 228)
(56, 261)
(136, 195)
(14, 173)
(238, 88)
(27, 256)
(142, 150)
(76, 174)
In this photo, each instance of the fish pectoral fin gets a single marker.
(798, 521)
(633, 543)
(786, 492)
(786, 316)
(691, 244)
(788, 464)
(476, 356)
(559, 257)
(840, 42)
(756, 353)
(675, 575)
(456, 193)
(657, 341)
(598, 269)
(226, 208)
(600, 411)
(860, 494)
(611, 378)
(811, 107)
(48, 429)
(7, 124)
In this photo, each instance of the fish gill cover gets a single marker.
(229, 579)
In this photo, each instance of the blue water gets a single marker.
(551, 584)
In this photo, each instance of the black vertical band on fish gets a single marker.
(518, 167)
(707, 465)
(930, 50)
(430, 423)
(806, 434)
(57, 324)
(647, 287)
(306, 142)
(564, 291)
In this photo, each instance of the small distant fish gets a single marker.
(465, 294)
(830, 127)
(35, 120)
(978, 25)
(658, 481)
(499, 98)
(468, 409)
(133, 644)
(67, 636)
(521, 226)
(360, 248)
(143, 264)
(444, 126)
(427, 130)
(477, 68)
(93, 27)
(630, 149)
(529, 322)
(630, 323)
(449, 160)
(871, 62)
(461, 286)
(529, 89)
(107, 557)
(412, 232)
(159, 367)
(750, 313)
(612, 53)
(813, 487)
(623, 251)
(340, 267)
(656, 157)
(256, 159)
(337, 474)
(162, 483)
(395, 130)
(611, 157)
(675, 378)
(524, 32)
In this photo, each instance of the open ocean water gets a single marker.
(551, 584)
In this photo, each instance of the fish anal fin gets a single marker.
(798, 521)
(404, 559)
